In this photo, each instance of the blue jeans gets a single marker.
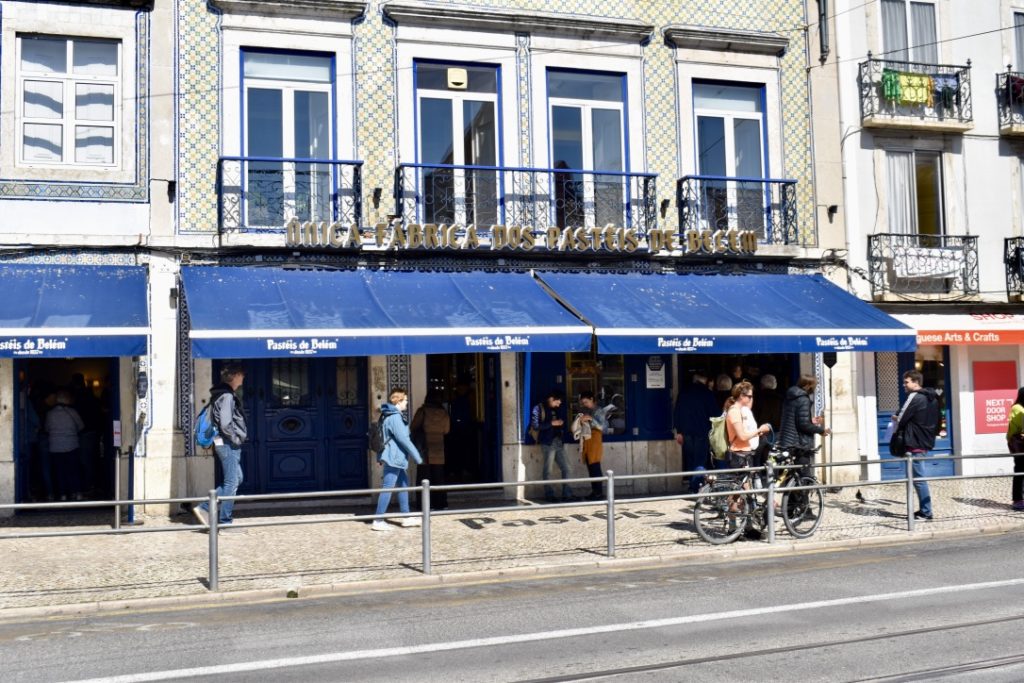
(924, 495)
(231, 465)
(554, 452)
(393, 477)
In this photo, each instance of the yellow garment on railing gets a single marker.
(916, 89)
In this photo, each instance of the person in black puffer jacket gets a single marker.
(798, 427)
(918, 420)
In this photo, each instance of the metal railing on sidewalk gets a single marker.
(609, 500)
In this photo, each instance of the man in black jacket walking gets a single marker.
(918, 420)
(798, 427)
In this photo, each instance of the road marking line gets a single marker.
(329, 658)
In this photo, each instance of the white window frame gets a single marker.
(912, 183)
(911, 39)
(82, 22)
(729, 116)
(68, 122)
(457, 98)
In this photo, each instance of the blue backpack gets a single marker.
(206, 431)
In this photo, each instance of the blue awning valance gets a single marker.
(263, 312)
(719, 313)
(58, 311)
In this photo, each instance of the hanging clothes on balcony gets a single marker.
(947, 91)
(916, 89)
(891, 84)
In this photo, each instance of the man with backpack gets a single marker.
(394, 455)
(229, 421)
(917, 423)
(547, 427)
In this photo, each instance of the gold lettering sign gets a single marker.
(395, 236)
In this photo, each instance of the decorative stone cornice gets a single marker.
(726, 40)
(516, 21)
(127, 4)
(335, 10)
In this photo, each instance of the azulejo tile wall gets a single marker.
(200, 98)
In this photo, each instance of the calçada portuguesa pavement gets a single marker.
(87, 573)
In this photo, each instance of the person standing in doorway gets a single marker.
(398, 448)
(918, 420)
(62, 427)
(432, 422)
(226, 413)
(548, 419)
(589, 427)
(695, 406)
(1015, 443)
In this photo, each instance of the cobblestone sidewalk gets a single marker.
(90, 569)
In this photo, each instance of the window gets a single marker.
(913, 40)
(458, 126)
(730, 139)
(1018, 37)
(348, 373)
(288, 104)
(605, 376)
(69, 96)
(289, 382)
(915, 192)
(586, 111)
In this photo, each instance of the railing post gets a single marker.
(117, 488)
(910, 491)
(425, 508)
(214, 579)
(610, 497)
(769, 477)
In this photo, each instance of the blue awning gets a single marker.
(263, 312)
(57, 311)
(736, 314)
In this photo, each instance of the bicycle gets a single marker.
(801, 511)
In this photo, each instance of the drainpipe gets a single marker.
(823, 30)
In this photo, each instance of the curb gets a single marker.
(702, 555)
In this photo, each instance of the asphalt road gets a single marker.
(929, 610)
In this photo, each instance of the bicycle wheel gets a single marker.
(711, 515)
(802, 510)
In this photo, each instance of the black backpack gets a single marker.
(375, 437)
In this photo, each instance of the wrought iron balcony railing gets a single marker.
(1013, 257)
(763, 205)
(527, 197)
(923, 264)
(262, 194)
(912, 94)
(1010, 101)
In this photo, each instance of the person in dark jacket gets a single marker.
(430, 424)
(695, 406)
(769, 402)
(398, 449)
(548, 418)
(918, 420)
(227, 415)
(797, 426)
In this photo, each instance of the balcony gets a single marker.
(526, 197)
(939, 265)
(1010, 102)
(915, 96)
(761, 205)
(1013, 257)
(262, 194)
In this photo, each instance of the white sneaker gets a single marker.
(412, 521)
(380, 525)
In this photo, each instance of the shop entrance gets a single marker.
(469, 385)
(307, 420)
(933, 363)
(87, 386)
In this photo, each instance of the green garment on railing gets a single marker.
(891, 84)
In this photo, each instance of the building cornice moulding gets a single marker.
(516, 21)
(126, 4)
(725, 39)
(336, 10)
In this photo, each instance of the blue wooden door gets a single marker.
(307, 422)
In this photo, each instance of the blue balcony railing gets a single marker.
(527, 197)
(923, 264)
(765, 206)
(915, 94)
(262, 194)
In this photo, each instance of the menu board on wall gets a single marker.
(995, 388)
